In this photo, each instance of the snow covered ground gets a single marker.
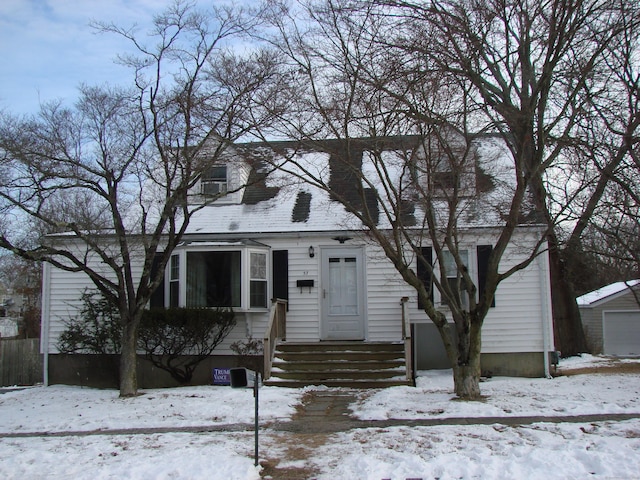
(607, 449)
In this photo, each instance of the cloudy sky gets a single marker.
(47, 48)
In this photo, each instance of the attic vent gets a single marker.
(302, 207)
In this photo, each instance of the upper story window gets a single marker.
(449, 175)
(445, 167)
(214, 181)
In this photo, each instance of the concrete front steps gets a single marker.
(339, 364)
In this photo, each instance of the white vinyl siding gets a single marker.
(385, 289)
(303, 316)
(64, 298)
(518, 322)
(515, 324)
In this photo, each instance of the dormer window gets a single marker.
(214, 181)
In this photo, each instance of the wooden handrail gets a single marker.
(276, 330)
(406, 336)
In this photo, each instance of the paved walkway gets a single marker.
(328, 412)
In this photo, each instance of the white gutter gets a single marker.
(46, 311)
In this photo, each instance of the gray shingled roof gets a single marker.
(275, 201)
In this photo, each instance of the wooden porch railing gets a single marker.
(406, 336)
(276, 330)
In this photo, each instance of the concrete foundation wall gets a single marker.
(521, 364)
(101, 371)
(431, 355)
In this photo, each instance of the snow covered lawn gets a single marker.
(541, 450)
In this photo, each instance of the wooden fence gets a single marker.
(20, 362)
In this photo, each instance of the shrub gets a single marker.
(96, 330)
(175, 340)
(178, 339)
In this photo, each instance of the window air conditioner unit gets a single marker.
(213, 188)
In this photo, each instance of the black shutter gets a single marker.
(483, 264)
(280, 260)
(424, 272)
(157, 297)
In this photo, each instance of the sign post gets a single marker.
(255, 395)
(238, 379)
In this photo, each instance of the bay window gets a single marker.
(258, 280)
(233, 274)
(213, 279)
(174, 281)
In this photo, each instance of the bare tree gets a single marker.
(556, 80)
(611, 240)
(417, 175)
(596, 183)
(114, 173)
(544, 74)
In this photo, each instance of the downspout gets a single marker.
(44, 333)
(543, 269)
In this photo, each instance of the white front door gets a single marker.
(343, 309)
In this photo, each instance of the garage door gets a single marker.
(621, 331)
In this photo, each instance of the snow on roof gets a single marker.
(291, 205)
(588, 299)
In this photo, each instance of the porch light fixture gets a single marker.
(341, 238)
(312, 253)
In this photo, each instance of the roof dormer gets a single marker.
(223, 182)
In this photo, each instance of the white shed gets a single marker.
(611, 318)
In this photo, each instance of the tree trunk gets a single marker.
(466, 368)
(466, 380)
(129, 360)
(567, 325)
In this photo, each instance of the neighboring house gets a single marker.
(20, 299)
(282, 238)
(611, 319)
(8, 327)
(11, 310)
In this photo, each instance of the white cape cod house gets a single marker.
(279, 238)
